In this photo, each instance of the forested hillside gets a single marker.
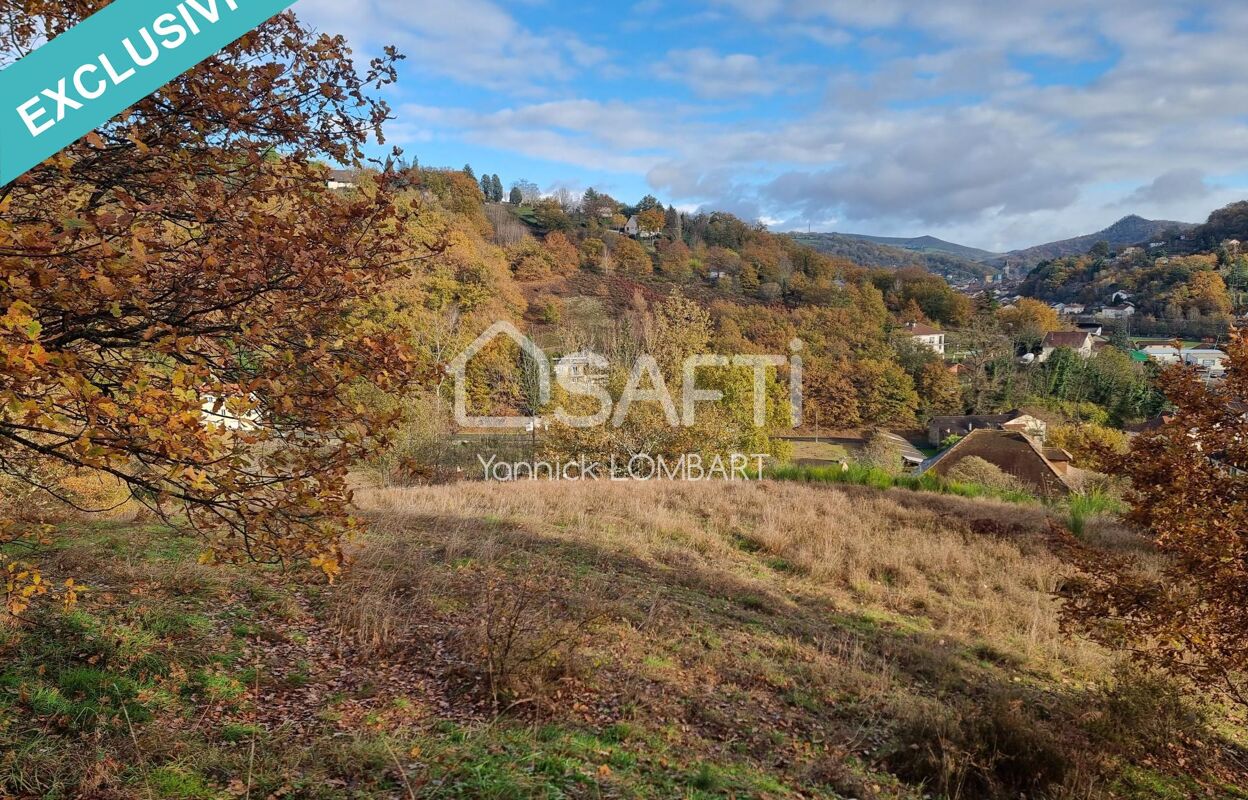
(871, 252)
(1125, 232)
(928, 244)
(566, 272)
(563, 271)
(1193, 286)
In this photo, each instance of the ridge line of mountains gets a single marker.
(959, 261)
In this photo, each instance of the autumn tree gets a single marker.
(681, 328)
(652, 220)
(630, 257)
(674, 260)
(563, 256)
(1029, 320)
(1189, 482)
(597, 206)
(1094, 447)
(940, 391)
(594, 256)
(530, 261)
(886, 393)
(174, 291)
(830, 397)
(550, 216)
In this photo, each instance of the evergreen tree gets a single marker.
(517, 197)
(468, 171)
(674, 226)
(648, 202)
(487, 188)
(496, 188)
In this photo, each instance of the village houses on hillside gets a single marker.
(927, 336)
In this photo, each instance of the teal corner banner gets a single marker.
(116, 57)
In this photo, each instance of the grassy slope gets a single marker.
(770, 640)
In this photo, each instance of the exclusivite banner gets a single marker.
(94, 71)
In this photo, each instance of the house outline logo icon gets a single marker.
(458, 369)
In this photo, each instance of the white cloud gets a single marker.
(733, 75)
(474, 41)
(944, 131)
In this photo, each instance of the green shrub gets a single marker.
(861, 475)
(1089, 504)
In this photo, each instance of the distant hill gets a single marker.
(1185, 286)
(868, 251)
(929, 244)
(1126, 231)
(1230, 222)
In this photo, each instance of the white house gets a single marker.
(1069, 309)
(928, 336)
(341, 179)
(581, 369)
(1163, 353)
(1206, 359)
(633, 228)
(233, 412)
(1124, 311)
(1079, 341)
(1121, 297)
(1210, 359)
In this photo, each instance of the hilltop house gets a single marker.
(1079, 341)
(1043, 471)
(1069, 309)
(633, 228)
(941, 428)
(1124, 311)
(928, 336)
(341, 179)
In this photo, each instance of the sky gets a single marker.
(993, 124)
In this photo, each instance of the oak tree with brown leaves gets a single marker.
(1189, 483)
(175, 290)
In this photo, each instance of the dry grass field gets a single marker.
(603, 640)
